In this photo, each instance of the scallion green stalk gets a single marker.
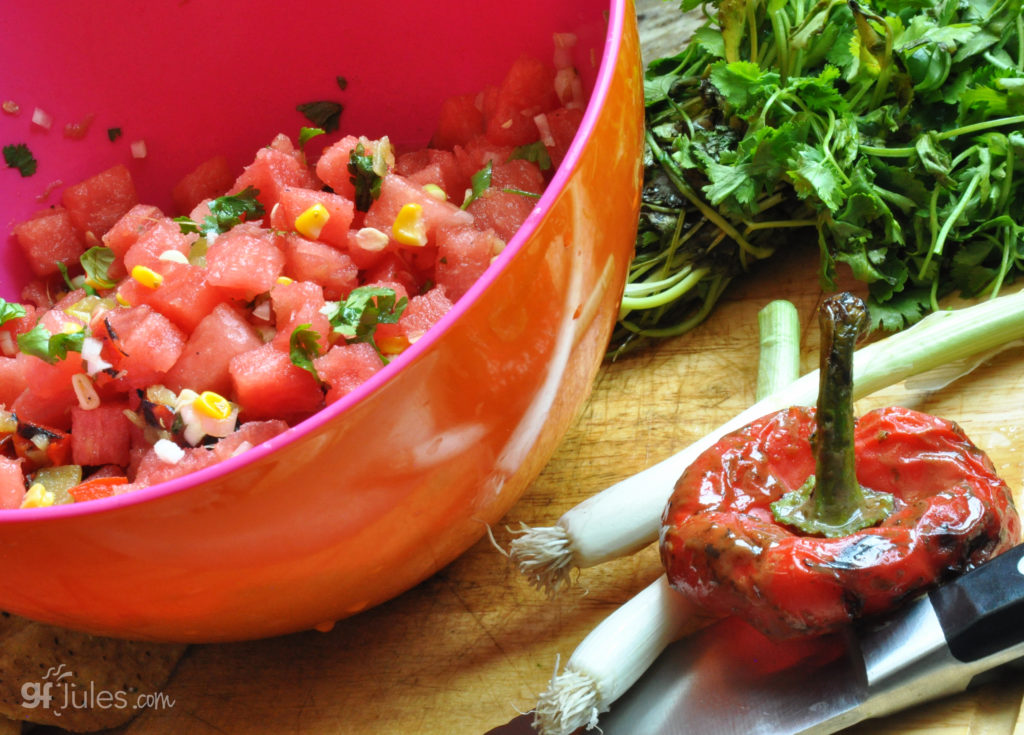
(779, 362)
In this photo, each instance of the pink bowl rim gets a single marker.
(596, 103)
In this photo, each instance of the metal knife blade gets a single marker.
(729, 679)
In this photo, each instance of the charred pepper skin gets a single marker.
(722, 547)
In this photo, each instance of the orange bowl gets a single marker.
(381, 489)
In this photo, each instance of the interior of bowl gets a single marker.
(192, 80)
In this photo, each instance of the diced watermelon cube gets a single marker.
(49, 240)
(397, 191)
(275, 167)
(12, 483)
(332, 269)
(423, 312)
(248, 435)
(184, 296)
(244, 261)
(268, 385)
(164, 234)
(297, 303)
(293, 202)
(501, 209)
(460, 121)
(392, 272)
(562, 125)
(527, 89)
(429, 166)
(464, 252)
(101, 435)
(203, 364)
(208, 180)
(12, 382)
(10, 330)
(345, 367)
(127, 230)
(144, 343)
(152, 469)
(46, 378)
(52, 410)
(95, 204)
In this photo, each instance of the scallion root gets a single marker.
(570, 702)
(544, 556)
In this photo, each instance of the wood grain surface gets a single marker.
(469, 648)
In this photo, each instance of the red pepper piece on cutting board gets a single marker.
(935, 508)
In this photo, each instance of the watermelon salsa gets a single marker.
(154, 344)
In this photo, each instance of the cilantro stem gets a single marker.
(958, 210)
(684, 281)
(675, 176)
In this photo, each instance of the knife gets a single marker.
(730, 679)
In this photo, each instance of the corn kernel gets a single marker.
(409, 227)
(121, 300)
(213, 405)
(393, 345)
(311, 222)
(38, 497)
(283, 281)
(435, 191)
(147, 276)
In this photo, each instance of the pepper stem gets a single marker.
(832, 503)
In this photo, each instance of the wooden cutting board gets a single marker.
(469, 648)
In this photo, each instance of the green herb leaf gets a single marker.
(303, 347)
(225, 212)
(536, 152)
(322, 113)
(64, 274)
(17, 155)
(342, 82)
(364, 176)
(479, 183)
(96, 262)
(50, 347)
(113, 134)
(356, 318)
(10, 310)
(305, 134)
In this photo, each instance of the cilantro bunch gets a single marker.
(891, 134)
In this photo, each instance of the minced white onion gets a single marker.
(168, 451)
(42, 118)
(85, 392)
(91, 348)
(544, 129)
(564, 43)
(138, 149)
(173, 256)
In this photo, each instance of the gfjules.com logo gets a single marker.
(58, 692)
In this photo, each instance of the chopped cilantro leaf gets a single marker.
(10, 310)
(303, 346)
(480, 182)
(536, 152)
(113, 134)
(225, 212)
(521, 192)
(305, 134)
(364, 177)
(17, 155)
(322, 113)
(64, 274)
(96, 262)
(342, 82)
(356, 318)
(50, 347)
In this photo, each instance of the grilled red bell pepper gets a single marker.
(807, 518)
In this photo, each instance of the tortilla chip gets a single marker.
(76, 681)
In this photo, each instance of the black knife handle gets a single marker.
(982, 612)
